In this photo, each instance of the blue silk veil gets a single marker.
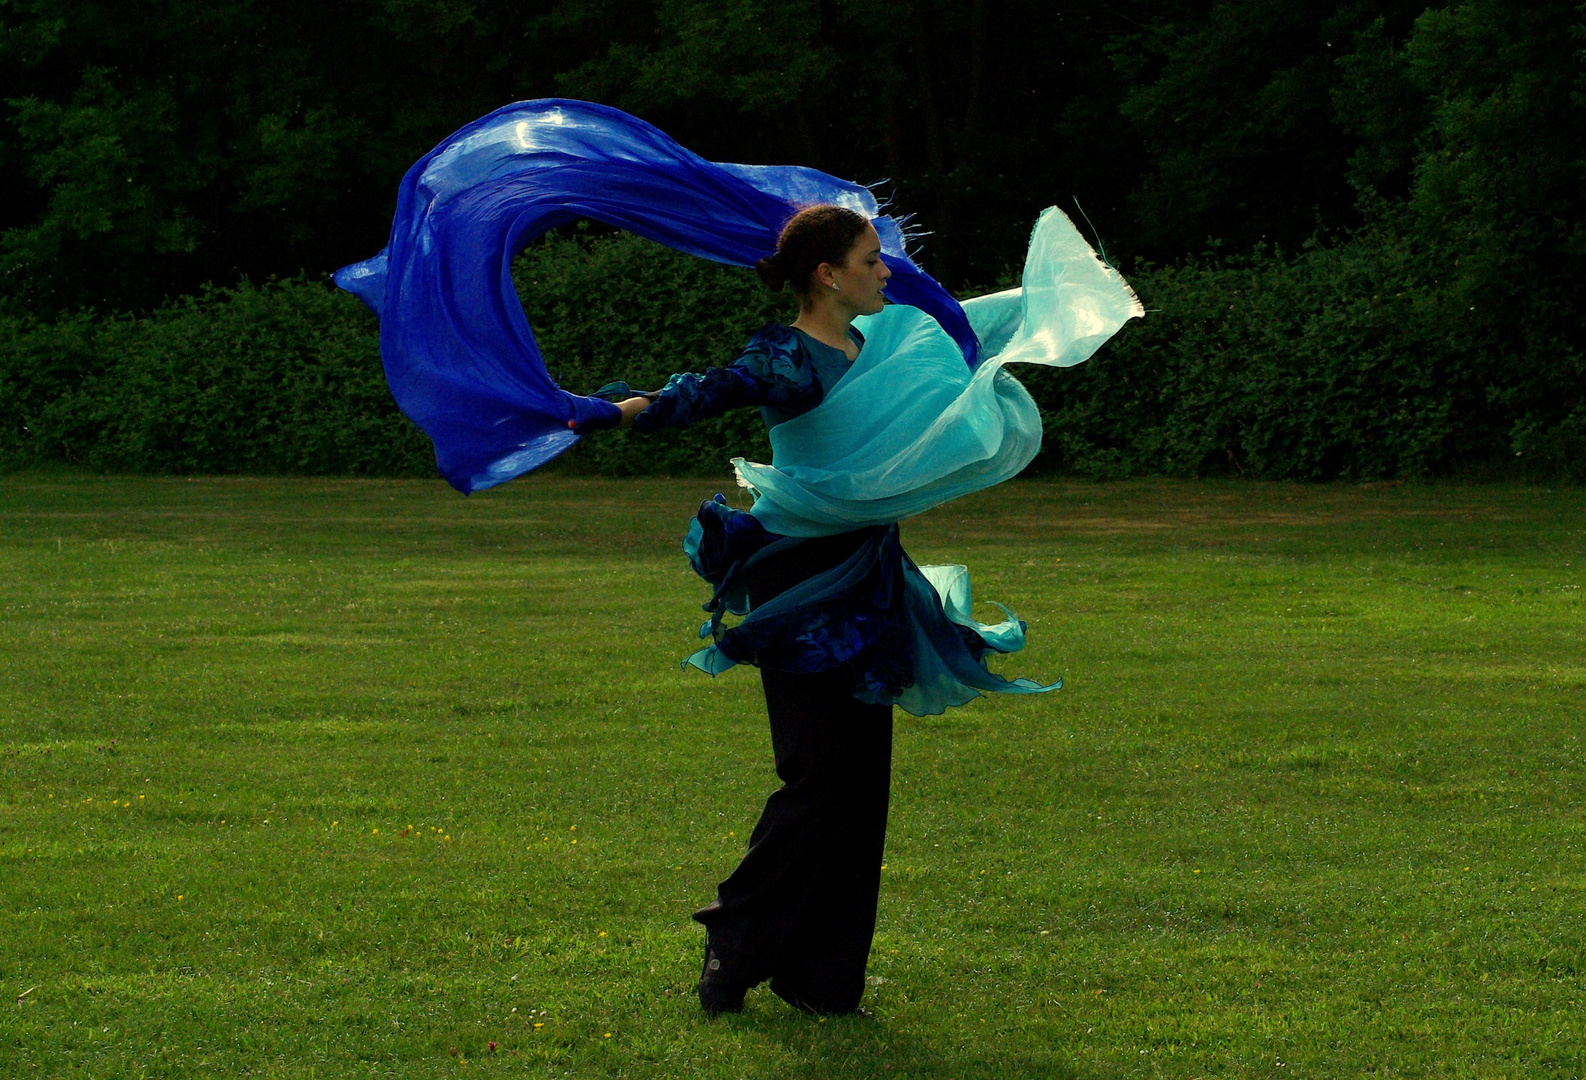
(458, 351)
(927, 413)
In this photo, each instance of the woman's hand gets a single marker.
(631, 408)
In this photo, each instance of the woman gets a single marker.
(801, 908)
(867, 429)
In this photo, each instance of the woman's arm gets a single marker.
(769, 371)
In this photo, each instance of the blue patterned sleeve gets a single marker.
(771, 370)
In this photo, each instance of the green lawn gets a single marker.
(352, 778)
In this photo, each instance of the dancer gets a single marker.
(875, 412)
(801, 908)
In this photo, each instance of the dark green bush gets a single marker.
(1357, 361)
(1362, 360)
(286, 378)
(280, 379)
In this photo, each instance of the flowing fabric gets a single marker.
(927, 412)
(459, 353)
(911, 426)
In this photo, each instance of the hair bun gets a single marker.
(770, 273)
(817, 234)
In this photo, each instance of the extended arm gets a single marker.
(770, 371)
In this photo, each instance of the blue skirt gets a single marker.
(854, 603)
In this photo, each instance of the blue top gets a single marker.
(782, 369)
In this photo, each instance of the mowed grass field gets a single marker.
(353, 778)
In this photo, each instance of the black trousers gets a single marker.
(800, 909)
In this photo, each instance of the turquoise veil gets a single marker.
(911, 425)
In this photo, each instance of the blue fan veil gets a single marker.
(459, 354)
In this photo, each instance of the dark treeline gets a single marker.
(156, 145)
(1359, 224)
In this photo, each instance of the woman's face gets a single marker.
(861, 278)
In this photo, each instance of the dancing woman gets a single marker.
(876, 412)
(801, 907)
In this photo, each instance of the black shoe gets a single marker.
(717, 994)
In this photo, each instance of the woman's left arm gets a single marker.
(631, 408)
(767, 372)
(687, 398)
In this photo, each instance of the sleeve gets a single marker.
(771, 370)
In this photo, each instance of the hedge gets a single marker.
(1352, 361)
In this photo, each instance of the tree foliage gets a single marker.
(156, 145)
(1361, 224)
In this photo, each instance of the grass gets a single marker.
(323, 779)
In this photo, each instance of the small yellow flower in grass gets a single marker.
(377, 832)
(1197, 871)
(539, 1025)
(602, 933)
(179, 896)
(608, 1035)
(883, 866)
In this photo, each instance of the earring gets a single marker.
(835, 286)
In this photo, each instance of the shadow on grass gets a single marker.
(874, 1044)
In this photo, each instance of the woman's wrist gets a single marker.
(631, 408)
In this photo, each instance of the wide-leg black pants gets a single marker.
(801, 907)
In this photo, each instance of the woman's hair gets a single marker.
(814, 235)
